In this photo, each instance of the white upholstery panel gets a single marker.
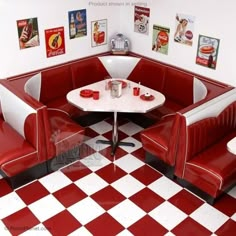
(199, 90)
(14, 110)
(119, 66)
(211, 108)
(33, 86)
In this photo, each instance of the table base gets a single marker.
(115, 145)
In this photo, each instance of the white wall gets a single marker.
(213, 18)
(50, 14)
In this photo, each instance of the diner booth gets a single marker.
(102, 126)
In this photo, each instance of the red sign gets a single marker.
(55, 41)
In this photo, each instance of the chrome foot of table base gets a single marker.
(115, 145)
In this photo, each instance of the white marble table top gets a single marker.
(126, 103)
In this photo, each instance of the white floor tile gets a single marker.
(125, 233)
(91, 183)
(234, 217)
(165, 187)
(82, 231)
(86, 210)
(232, 192)
(127, 185)
(129, 163)
(209, 217)
(38, 230)
(132, 140)
(9, 204)
(130, 128)
(46, 207)
(167, 215)
(101, 127)
(95, 161)
(126, 213)
(97, 146)
(55, 181)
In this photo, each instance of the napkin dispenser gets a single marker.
(116, 89)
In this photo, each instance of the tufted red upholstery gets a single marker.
(203, 159)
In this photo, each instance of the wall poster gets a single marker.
(160, 39)
(141, 20)
(207, 51)
(55, 41)
(184, 29)
(99, 32)
(77, 23)
(28, 35)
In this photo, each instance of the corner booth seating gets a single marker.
(32, 136)
(193, 146)
(49, 87)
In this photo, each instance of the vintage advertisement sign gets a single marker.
(55, 41)
(160, 39)
(99, 32)
(141, 20)
(207, 51)
(28, 33)
(77, 23)
(184, 29)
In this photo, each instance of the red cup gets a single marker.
(136, 91)
(95, 95)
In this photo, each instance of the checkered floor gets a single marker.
(104, 195)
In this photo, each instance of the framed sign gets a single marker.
(99, 32)
(207, 51)
(55, 41)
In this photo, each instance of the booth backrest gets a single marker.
(25, 117)
(119, 66)
(87, 71)
(204, 126)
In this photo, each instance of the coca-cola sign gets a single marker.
(55, 41)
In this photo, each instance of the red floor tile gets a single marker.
(147, 226)
(5, 188)
(226, 204)
(140, 154)
(106, 152)
(104, 225)
(190, 227)
(90, 133)
(76, 171)
(32, 192)
(228, 229)
(186, 201)
(20, 221)
(147, 199)
(108, 197)
(69, 195)
(62, 224)
(146, 174)
(111, 173)
(121, 135)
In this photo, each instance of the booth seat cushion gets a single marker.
(15, 151)
(63, 133)
(156, 139)
(214, 168)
